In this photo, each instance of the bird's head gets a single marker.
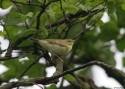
(70, 42)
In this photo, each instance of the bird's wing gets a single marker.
(51, 41)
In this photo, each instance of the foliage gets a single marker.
(61, 19)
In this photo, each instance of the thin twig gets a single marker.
(41, 12)
(62, 10)
(34, 4)
(34, 62)
(7, 58)
(21, 13)
(5, 30)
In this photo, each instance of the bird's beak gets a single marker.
(75, 40)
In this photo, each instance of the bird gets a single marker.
(55, 46)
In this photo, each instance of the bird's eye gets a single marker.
(69, 41)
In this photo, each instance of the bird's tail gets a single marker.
(33, 39)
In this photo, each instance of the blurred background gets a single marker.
(98, 26)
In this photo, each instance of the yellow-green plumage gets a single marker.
(56, 46)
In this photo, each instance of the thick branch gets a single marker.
(109, 71)
(48, 80)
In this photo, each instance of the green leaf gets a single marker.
(96, 19)
(121, 18)
(6, 3)
(72, 9)
(51, 14)
(25, 32)
(113, 16)
(121, 44)
(22, 0)
(17, 15)
(30, 8)
(14, 39)
(41, 1)
(123, 6)
(83, 18)
(84, 72)
(10, 73)
(110, 6)
(123, 59)
(43, 32)
(64, 5)
(58, 12)
(109, 31)
(15, 18)
(25, 43)
(30, 14)
(99, 7)
(13, 21)
(99, 23)
(108, 56)
(2, 33)
(83, 7)
(12, 30)
(75, 29)
(70, 78)
(44, 19)
(52, 86)
(16, 68)
(93, 2)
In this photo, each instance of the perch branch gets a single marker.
(48, 80)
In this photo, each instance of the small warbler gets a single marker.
(55, 46)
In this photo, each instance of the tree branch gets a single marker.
(48, 80)
(41, 12)
(34, 62)
(110, 71)
(34, 4)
